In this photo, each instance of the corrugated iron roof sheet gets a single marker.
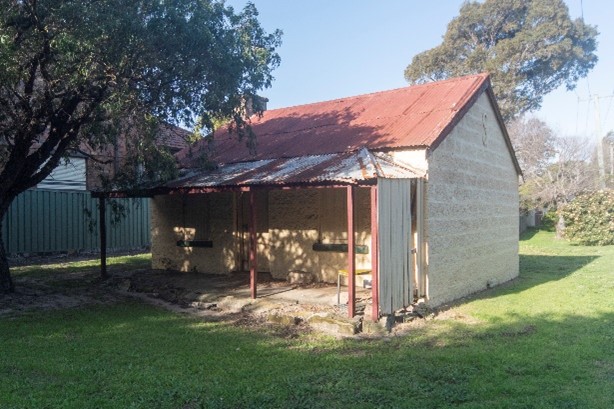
(345, 168)
(416, 116)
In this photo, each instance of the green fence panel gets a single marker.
(47, 221)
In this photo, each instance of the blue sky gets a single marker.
(338, 48)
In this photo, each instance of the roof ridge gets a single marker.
(483, 75)
(413, 116)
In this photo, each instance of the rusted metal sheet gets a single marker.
(410, 117)
(344, 168)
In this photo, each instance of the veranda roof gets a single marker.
(361, 167)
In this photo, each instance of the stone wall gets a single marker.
(472, 208)
(194, 217)
(289, 223)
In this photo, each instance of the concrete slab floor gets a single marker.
(178, 286)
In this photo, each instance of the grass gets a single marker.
(132, 262)
(543, 341)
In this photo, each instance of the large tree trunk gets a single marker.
(6, 281)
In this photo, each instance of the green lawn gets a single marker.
(545, 341)
(139, 261)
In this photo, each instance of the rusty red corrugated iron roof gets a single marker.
(410, 117)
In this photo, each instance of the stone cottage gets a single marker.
(416, 186)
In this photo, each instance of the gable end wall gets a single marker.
(472, 208)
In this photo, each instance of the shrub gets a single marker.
(549, 221)
(589, 219)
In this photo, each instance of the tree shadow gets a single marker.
(296, 133)
(534, 271)
(529, 233)
(515, 361)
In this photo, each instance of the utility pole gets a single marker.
(599, 140)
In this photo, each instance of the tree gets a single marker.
(530, 48)
(571, 172)
(608, 148)
(82, 71)
(535, 146)
(555, 169)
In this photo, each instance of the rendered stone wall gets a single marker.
(300, 218)
(472, 209)
(194, 217)
(294, 221)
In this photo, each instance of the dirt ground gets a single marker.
(210, 297)
(289, 309)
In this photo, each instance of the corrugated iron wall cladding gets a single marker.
(41, 221)
(395, 266)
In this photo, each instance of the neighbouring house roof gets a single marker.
(172, 137)
(358, 167)
(418, 116)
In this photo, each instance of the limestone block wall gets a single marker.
(289, 223)
(194, 217)
(300, 218)
(472, 208)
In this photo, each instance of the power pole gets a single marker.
(599, 140)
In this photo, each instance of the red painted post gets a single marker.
(253, 245)
(374, 256)
(351, 254)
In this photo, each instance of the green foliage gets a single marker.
(530, 47)
(589, 219)
(87, 72)
(549, 221)
(86, 75)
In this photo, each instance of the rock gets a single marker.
(373, 328)
(387, 321)
(408, 318)
(283, 319)
(333, 325)
(204, 305)
(124, 285)
(422, 310)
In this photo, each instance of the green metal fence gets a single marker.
(41, 221)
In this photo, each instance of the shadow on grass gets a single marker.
(89, 265)
(152, 358)
(534, 271)
(544, 268)
(528, 233)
